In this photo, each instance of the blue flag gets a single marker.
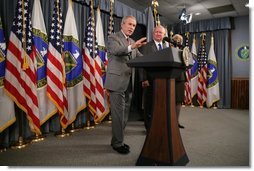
(73, 66)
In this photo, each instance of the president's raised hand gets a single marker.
(139, 43)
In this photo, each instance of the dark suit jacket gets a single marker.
(149, 48)
(118, 73)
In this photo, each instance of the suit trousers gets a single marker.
(120, 108)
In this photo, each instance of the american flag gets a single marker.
(202, 73)
(187, 90)
(20, 76)
(93, 84)
(7, 113)
(111, 20)
(103, 57)
(56, 87)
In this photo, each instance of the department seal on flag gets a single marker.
(212, 74)
(70, 61)
(2, 56)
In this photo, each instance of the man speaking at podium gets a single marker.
(121, 49)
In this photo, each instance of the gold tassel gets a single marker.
(25, 63)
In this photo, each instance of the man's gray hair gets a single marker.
(126, 17)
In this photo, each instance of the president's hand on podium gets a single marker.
(139, 43)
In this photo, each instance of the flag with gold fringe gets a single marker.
(202, 72)
(40, 40)
(73, 66)
(213, 91)
(93, 84)
(194, 69)
(7, 113)
(20, 74)
(56, 87)
(103, 56)
(187, 85)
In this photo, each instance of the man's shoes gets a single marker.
(122, 149)
(180, 126)
(126, 146)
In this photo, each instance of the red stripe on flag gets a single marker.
(22, 102)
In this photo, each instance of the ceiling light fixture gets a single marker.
(184, 17)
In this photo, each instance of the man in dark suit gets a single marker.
(118, 82)
(156, 44)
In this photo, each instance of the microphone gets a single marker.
(172, 42)
(168, 39)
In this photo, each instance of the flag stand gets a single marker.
(38, 137)
(215, 106)
(62, 133)
(109, 119)
(88, 122)
(183, 104)
(2, 149)
(73, 129)
(21, 142)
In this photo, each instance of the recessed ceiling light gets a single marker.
(197, 13)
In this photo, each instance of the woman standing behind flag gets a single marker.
(178, 43)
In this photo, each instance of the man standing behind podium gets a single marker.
(147, 82)
(121, 49)
(156, 44)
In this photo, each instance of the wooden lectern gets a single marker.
(163, 144)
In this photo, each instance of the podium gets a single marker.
(163, 145)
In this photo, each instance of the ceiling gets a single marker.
(169, 10)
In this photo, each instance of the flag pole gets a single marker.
(38, 138)
(88, 121)
(2, 148)
(215, 105)
(21, 142)
(62, 133)
(73, 129)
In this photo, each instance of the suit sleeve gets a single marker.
(116, 47)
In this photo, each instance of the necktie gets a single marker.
(128, 41)
(160, 47)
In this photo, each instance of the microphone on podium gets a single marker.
(172, 42)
